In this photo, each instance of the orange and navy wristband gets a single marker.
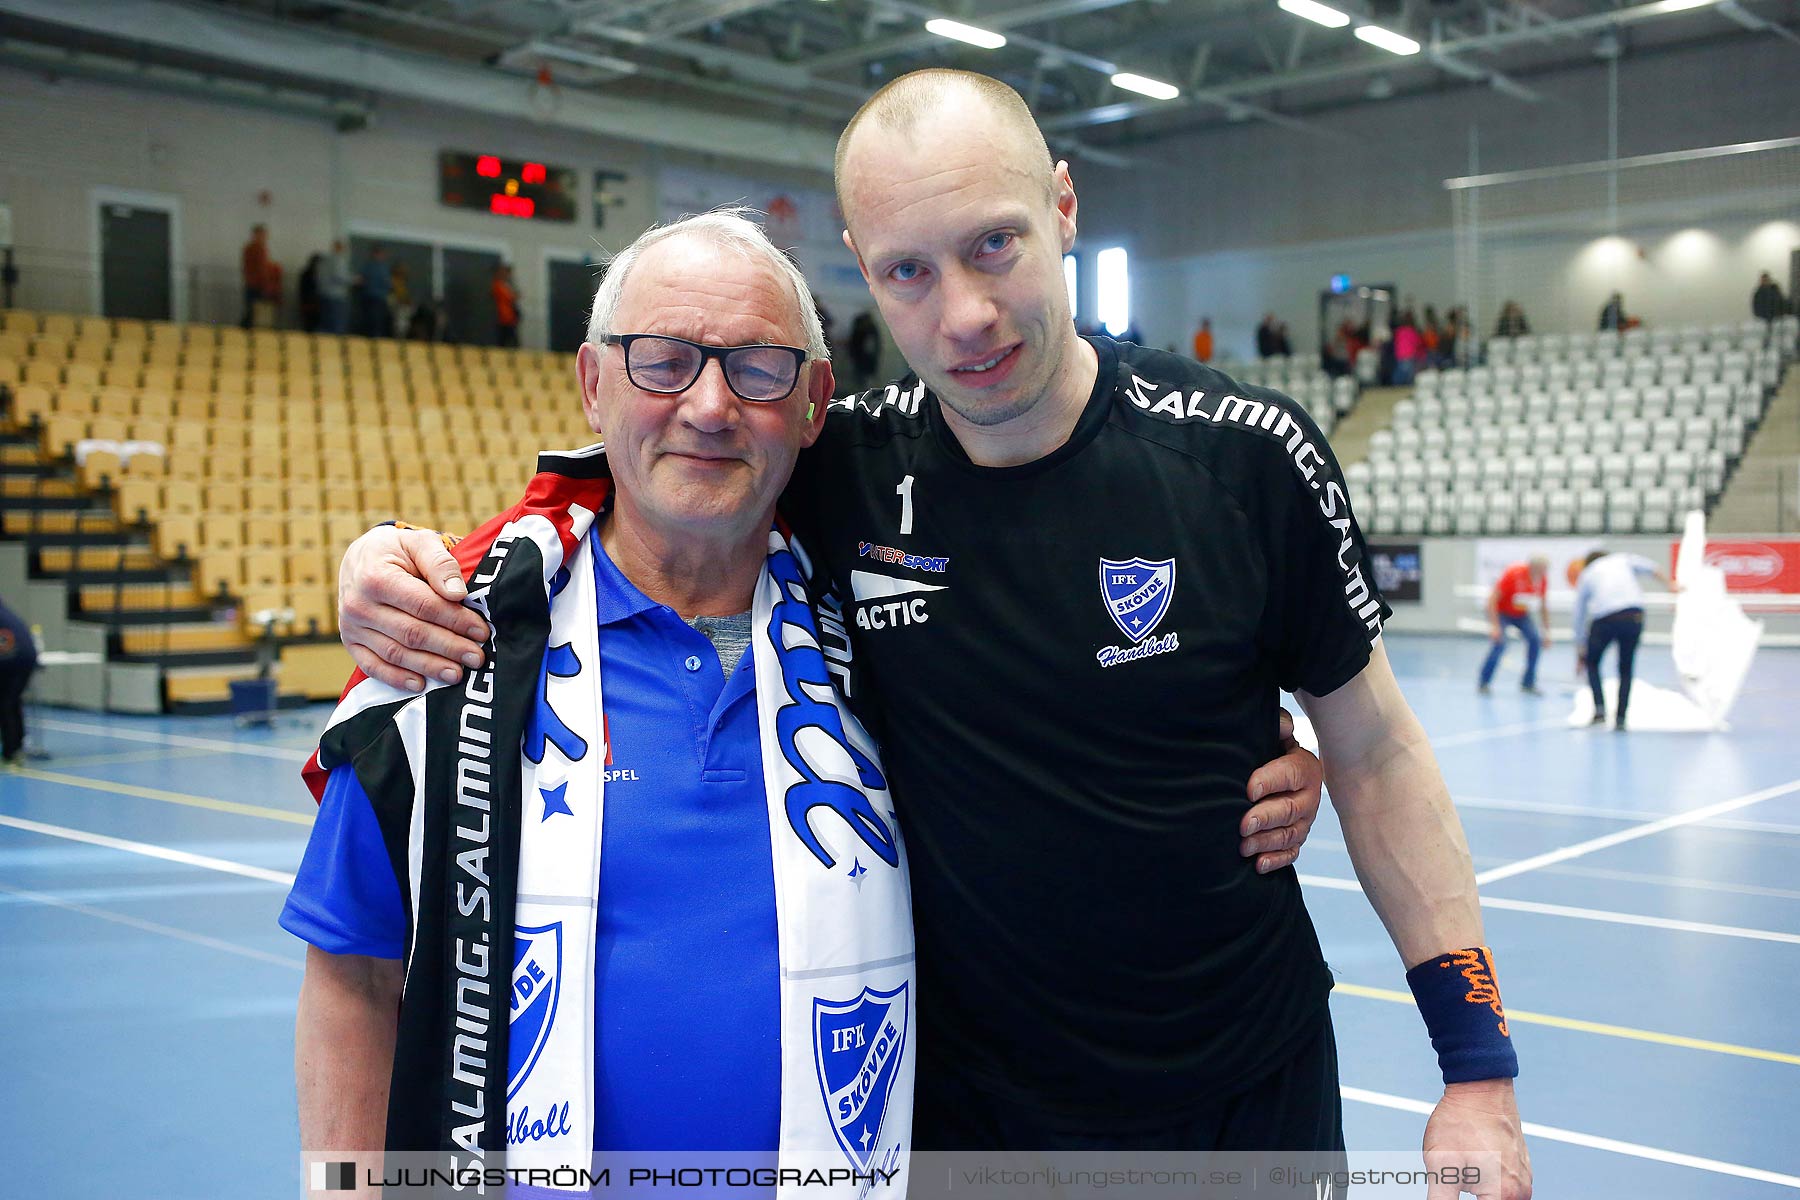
(1460, 1001)
(449, 539)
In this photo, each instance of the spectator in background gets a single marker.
(1283, 347)
(309, 294)
(1265, 337)
(1203, 341)
(255, 264)
(1409, 349)
(1612, 317)
(18, 659)
(1609, 608)
(506, 307)
(1767, 303)
(1504, 610)
(865, 350)
(400, 299)
(377, 286)
(334, 290)
(1432, 334)
(1456, 328)
(1512, 321)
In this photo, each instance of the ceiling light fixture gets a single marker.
(1387, 39)
(1156, 89)
(1325, 15)
(956, 31)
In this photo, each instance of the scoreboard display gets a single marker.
(506, 187)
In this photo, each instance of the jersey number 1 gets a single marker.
(904, 491)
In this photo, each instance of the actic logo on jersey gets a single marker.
(1137, 592)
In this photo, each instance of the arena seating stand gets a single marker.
(1578, 433)
(1325, 399)
(277, 449)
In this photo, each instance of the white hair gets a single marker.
(730, 228)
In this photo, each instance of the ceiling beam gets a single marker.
(1454, 48)
(375, 67)
(999, 22)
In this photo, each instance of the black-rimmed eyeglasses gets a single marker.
(669, 366)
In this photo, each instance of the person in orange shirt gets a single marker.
(255, 271)
(1504, 609)
(1203, 341)
(506, 308)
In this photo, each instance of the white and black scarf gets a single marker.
(496, 1036)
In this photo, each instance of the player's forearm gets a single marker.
(1407, 846)
(344, 1049)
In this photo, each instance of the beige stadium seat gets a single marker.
(265, 496)
(265, 569)
(221, 531)
(176, 535)
(305, 531)
(100, 468)
(43, 372)
(342, 528)
(32, 403)
(146, 465)
(263, 465)
(156, 403)
(219, 572)
(265, 531)
(310, 566)
(137, 500)
(193, 406)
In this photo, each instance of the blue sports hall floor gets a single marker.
(1642, 892)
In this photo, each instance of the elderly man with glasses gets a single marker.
(655, 657)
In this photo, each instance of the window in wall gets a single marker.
(1070, 274)
(1113, 283)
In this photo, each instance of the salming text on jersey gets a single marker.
(1270, 418)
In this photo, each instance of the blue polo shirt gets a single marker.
(687, 973)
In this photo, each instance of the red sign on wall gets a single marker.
(1770, 565)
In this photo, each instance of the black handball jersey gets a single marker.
(1074, 666)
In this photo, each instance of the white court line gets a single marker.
(1673, 821)
(1619, 814)
(1602, 915)
(284, 753)
(198, 939)
(1497, 731)
(150, 851)
(1680, 881)
(1611, 1145)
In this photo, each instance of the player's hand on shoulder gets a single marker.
(400, 610)
(1476, 1126)
(1284, 799)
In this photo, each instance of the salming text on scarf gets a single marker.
(496, 1037)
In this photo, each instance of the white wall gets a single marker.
(1250, 218)
(60, 141)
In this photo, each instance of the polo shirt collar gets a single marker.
(616, 598)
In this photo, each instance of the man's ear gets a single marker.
(587, 374)
(819, 382)
(1063, 190)
(850, 244)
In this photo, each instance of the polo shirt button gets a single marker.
(692, 663)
